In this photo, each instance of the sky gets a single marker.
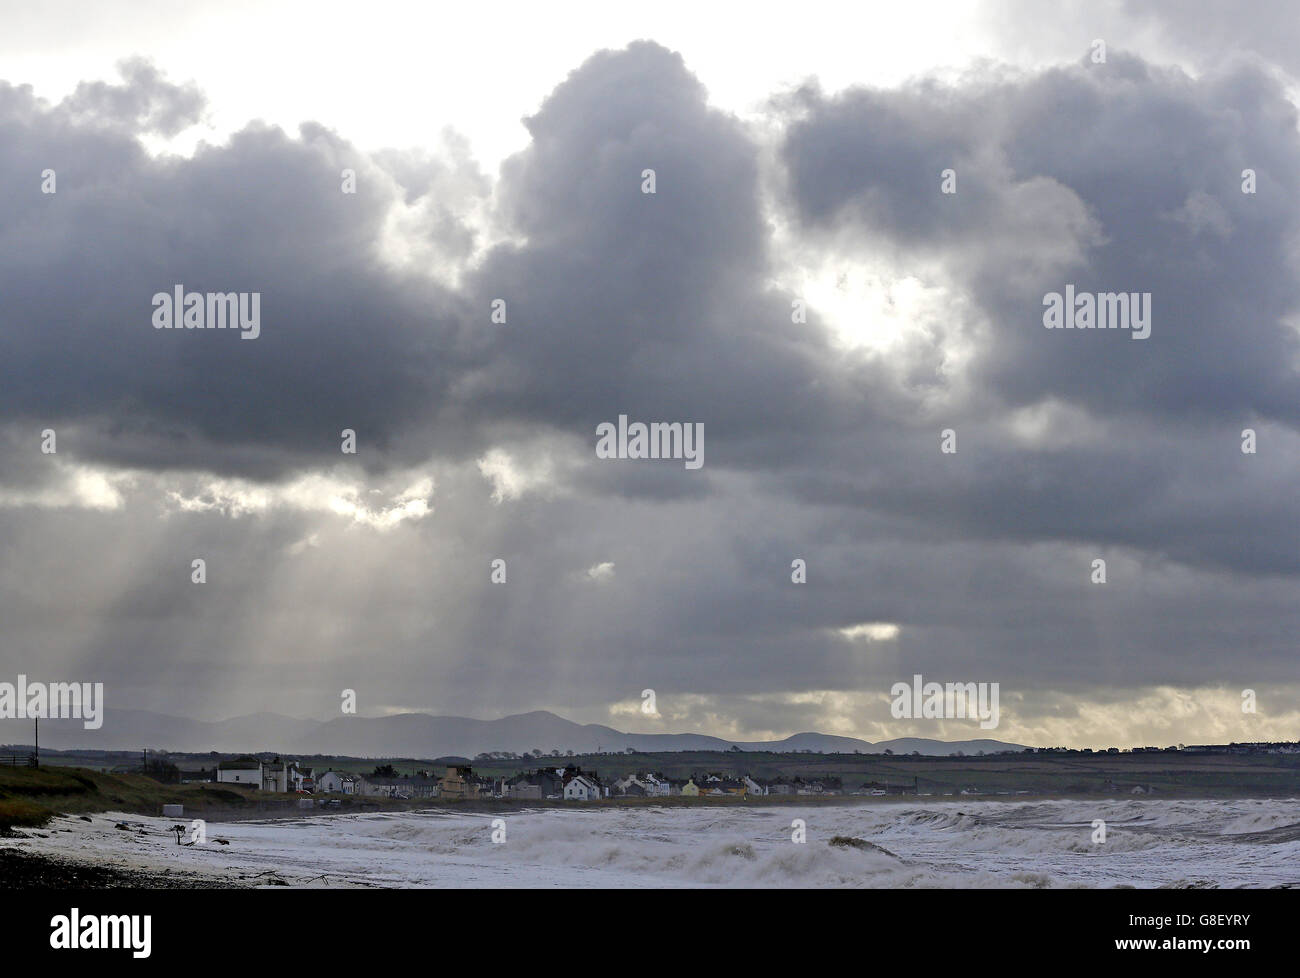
(798, 160)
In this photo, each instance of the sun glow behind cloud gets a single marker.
(875, 631)
(315, 492)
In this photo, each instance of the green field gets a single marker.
(1187, 775)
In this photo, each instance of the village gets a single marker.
(567, 783)
(733, 776)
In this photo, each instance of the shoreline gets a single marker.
(23, 869)
(953, 842)
(508, 805)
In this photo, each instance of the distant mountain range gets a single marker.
(425, 736)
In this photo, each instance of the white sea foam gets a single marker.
(1149, 843)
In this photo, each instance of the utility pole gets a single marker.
(37, 756)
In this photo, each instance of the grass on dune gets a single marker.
(31, 796)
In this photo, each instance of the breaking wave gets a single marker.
(1147, 843)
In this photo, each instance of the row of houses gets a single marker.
(292, 776)
(277, 775)
(574, 784)
(1257, 747)
(570, 783)
(458, 782)
(1260, 747)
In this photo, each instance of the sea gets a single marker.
(918, 843)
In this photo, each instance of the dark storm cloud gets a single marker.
(1154, 160)
(618, 302)
(652, 306)
(1154, 157)
(344, 342)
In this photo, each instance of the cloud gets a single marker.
(874, 631)
(71, 486)
(145, 103)
(264, 213)
(675, 306)
(1075, 174)
(320, 493)
(511, 478)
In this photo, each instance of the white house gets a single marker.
(752, 787)
(300, 778)
(274, 776)
(654, 787)
(657, 786)
(580, 788)
(381, 787)
(627, 781)
(337, 782)
(245, 771)
(278, 775)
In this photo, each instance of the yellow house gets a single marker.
(690, 789)
(457, 783)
